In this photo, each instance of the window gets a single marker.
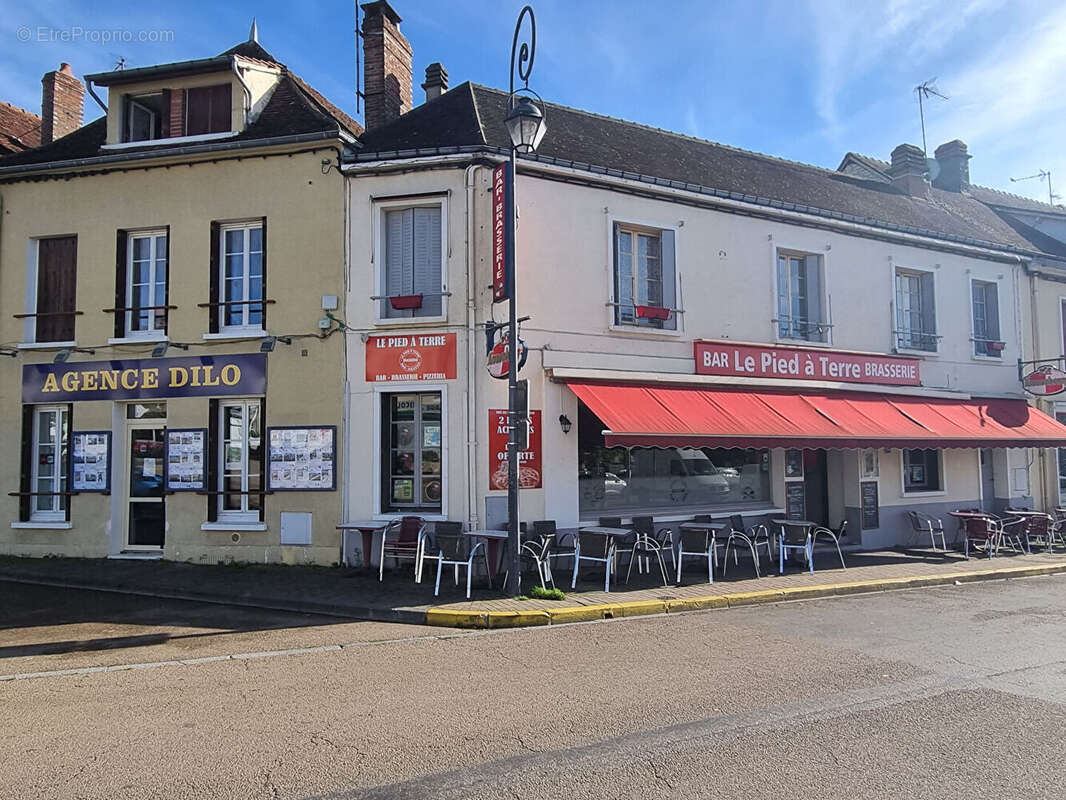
(412, 448)
(57, 262)
(240, 460)
(411, 280)
(242, 256)
(146, 115)
(799, 297)
(986, 341)
(142, 284)
(915, 311)
(921, 471)
(208, 110)
(644, 283)
(48, 464)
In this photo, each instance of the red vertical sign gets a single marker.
(529, 471)
(499, 233)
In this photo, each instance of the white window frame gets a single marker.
(896, 330)
(244, 515)
(131, 101)
(973, 319)
(777, 249)
(406, 387)
(645, 225)
(380, 208)
(152, 235)
(58, 512)
(943, 490)
(244, 328)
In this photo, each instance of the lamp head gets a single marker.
(526, 125)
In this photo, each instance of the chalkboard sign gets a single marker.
(870, 512)
(795, 500)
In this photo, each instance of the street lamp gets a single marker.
(525, 124)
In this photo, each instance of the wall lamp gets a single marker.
(565, 423)
(160, 349)
(268, 344)
(66, 352)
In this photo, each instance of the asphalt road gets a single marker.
(955, 692)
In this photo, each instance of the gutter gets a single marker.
(92, 93)
(247, 91)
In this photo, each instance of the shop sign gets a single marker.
(410, 357)
(499, 234)
(800, 363)
(499, 364)
(529, 469)
(145, 378)
(1045, 381)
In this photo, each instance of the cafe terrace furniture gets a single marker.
(1040, 530)
(753, 538)
(978, 529)
(427, 552)
(1012, 533)
(533, 548)
(662, 540)
(923, 524)
(622, 544)
(368, 529)
(406, 546)
(597, 544)
(493, 539)
(453, 550)
(834, 536)
(793, 535)
(697, 539)
(646, 547)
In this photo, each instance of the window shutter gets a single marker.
(26, 479)
(120, 283)
(426, 271)
(221, 108)
(164, 121)
(56, 288)
(166, 287)
(214, 310)
(928, 308)
(668, 252)
(784, 310)
(263, 282)
(992, 311)
(395, 264)
(813, 266)
(213, 456)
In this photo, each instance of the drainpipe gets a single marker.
(247, 91)
(1045, 478)
(93, 95)
(471, 355)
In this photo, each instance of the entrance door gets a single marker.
(816, 486)
(988, 481)
(146, 506)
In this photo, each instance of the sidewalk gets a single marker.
(357, 592)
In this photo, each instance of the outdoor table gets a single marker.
(492, 539)
(368, 529)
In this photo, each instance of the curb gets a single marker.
(561, 616)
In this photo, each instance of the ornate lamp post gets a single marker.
(525, 124)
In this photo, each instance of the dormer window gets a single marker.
(208, 109)
(174, 113)
(144, 117)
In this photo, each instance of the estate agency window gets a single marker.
(986, 341)
(412, 446)
(411, 277)
(240, 462)
(47, 467)
(922, 471)
(56, 281)
(241, 280)
(915, 311)
(799, 297)
(644, 277)
(141, 285)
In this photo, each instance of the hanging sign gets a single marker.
(417, 357)
(1045, 381)
(499, 364)
(529, 470)
(802, 363)
(500, 238)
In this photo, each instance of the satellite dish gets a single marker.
(932, 169)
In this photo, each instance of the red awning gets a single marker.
(675, 416)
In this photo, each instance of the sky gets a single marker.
(806, 80)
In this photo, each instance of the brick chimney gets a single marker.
(62, 103)
(436, 81)
(954, 163)
(908, 169)
(386, 65)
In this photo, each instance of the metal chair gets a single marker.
(1012, 533)
(663, 538)
(836, 536)
(753, 537)
(561, 545)
(923, 524)
(454, 550)
(978, 530)
(1040, 529)
(714, 536)
(596, 548)
(625, 544)
(535, 548)
(426, 551)
(407, 546)
(795, 537)
(646, 546)
(701, 544)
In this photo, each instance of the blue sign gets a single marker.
(145, 378)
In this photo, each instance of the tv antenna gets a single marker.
(924, 91)
(1042, 175)
(120, 62)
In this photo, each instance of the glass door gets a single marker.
(414, 444)
(146, 506)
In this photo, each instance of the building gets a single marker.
(710, 330)
(166, 275)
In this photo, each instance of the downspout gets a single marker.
(1045, 455)
(247, 92)
(346, 400)
(92, 93)
(471, 356)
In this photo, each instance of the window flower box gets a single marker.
(996, 347)
(406, 302)
(653, 312)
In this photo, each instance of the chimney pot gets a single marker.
(387, 60)
(62, 104)
(954, 160)
(908, 169)
(436, 81)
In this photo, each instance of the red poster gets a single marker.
(410, 357)
(499, 233)
(804, 363)
(529, 472)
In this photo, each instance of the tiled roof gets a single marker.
(19, 129)
(471, 115)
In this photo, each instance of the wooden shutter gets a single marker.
(219, 120)
(992, 311)
(263, 282)
(197, 111)
(121, 240)
(668, 253)
(166, 285)
(56, 288)
(928, 310)
(813, 267)
(26, 478)
(395, 263)
(426, 260)
(165, 119)
(213, 310)
(208, 109)
(784, 309)
(212, 455)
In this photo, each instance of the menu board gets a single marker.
(186, 459)
(871, 518)
(301, 459)
(90, 461)
(795, 500)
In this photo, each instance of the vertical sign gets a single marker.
(529, 471)
(871, 518)
(500, 234)
(795, 500)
